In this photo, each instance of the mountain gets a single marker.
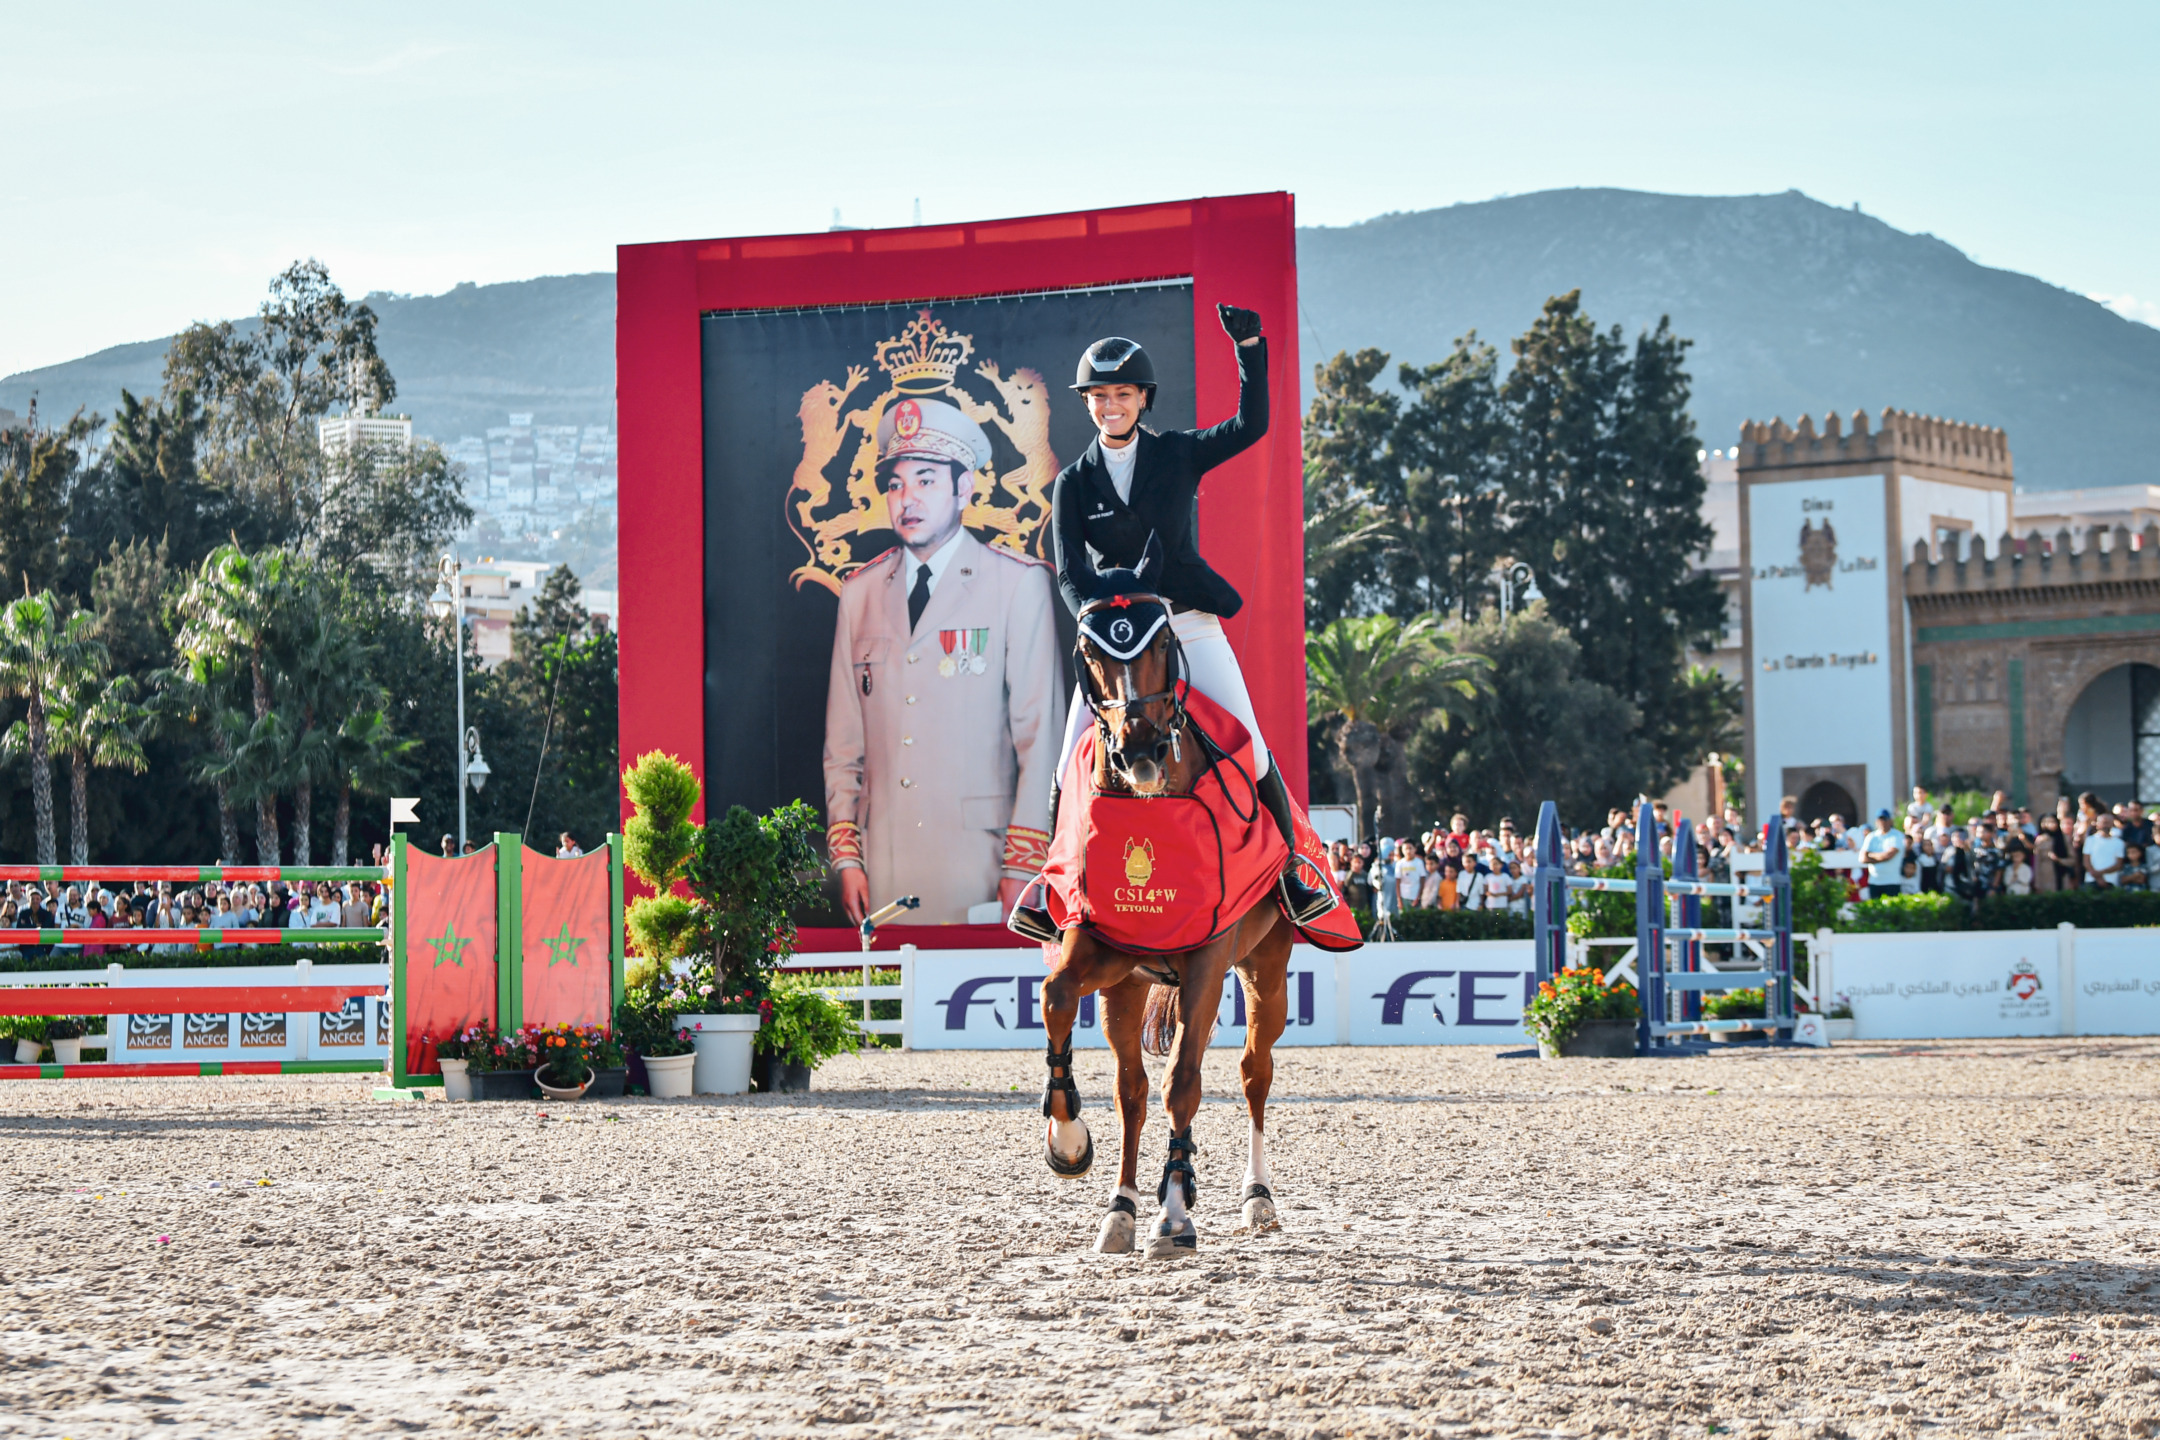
(1794, 306)
(463, 359)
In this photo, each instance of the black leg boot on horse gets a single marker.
(1306, 903)
(1054, 1085)
(1175, 1234)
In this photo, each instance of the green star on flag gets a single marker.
(562, 947)
(450, 946)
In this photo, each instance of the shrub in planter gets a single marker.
(22, 1038)
(806, 1028)
(1898, 913)
(1573, 999)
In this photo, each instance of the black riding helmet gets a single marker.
(1115, 360)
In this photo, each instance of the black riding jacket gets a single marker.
(1087, 513)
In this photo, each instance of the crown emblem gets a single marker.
(923, 359)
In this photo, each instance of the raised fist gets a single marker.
(1239, 325)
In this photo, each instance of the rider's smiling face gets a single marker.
(1115, 409)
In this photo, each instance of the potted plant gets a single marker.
(1838, 1019)
(1736, 1005)
(807, 1027)
(1577, 1014)
(560, 1050)
(450, 1054)
(28, 1033)
(609, 1070)
(65, 1033)
(497, 1064)
(670, 1060)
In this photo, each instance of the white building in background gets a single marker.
(339, 433)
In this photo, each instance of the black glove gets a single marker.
(1239, 325)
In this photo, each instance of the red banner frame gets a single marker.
(1238, 248)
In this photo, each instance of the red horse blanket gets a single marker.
(1155, 874)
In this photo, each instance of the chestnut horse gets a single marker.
(1159, 1003)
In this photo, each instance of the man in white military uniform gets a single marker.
(943, 717)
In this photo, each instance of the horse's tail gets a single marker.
(1158, 1025)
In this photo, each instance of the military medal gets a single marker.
(964, 652)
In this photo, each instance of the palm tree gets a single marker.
(40, 649)
(322, 682)
(1378, 676)
(231, 612)
(94, 721)
(372, 759)
(198, 693)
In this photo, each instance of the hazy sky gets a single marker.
(162, 161)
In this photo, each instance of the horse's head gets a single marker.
(1127, 666)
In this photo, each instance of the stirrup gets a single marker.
(1051, 1083)
(1303, 903)
(1181, 1145)
(1033, 922)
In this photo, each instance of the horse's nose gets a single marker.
(1144, 771)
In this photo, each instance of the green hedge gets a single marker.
(14, 962)
(1454, 924)
(2088, 909)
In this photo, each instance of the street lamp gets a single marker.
(476, 769)
(447, 602)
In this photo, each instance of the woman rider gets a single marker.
(1132, 483)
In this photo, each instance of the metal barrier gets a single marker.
(1673, 972)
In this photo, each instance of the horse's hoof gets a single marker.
(1171, 1242)
(1069, 1169)
(1116, 1235)
(1260, 1208)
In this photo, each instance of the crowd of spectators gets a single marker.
(2002, 850)
(213, 905)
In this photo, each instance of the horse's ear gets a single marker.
(1150, 568)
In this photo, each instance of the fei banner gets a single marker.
(448, 962)
(1459, 993)
(563, 911)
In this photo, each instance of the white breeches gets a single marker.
(1212, 667)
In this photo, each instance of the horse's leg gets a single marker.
(1124, 1004)
(1199, 997)
(1084, 966)
(1265, 973)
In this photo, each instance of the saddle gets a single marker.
(1161, 874)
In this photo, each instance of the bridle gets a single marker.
(1124, 701)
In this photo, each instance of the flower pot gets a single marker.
(503, 1085)
(668, 1077)
(1838, 1027)
(1593, 1039)
(638, 1078)
(723, 1051)
(67, 1052)
(787, 1079)
(560, 1092)
(456, 1084)
(608, 1084)
(27, 1052)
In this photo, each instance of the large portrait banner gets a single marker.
(882, 632)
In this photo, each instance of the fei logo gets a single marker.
(1022, 1002)
(1475, 1003)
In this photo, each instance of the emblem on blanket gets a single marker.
(1139, 861)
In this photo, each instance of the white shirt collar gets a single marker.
(1119, 462)
(937, 563)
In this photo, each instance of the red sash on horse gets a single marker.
(1152, 874)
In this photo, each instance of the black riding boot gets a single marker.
(1306, 903)
(1033, 921)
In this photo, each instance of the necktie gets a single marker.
(919, 596)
